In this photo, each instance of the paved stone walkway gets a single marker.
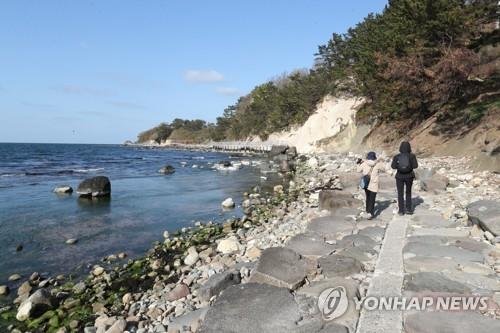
(387, 281)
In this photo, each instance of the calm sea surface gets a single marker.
(143, 204)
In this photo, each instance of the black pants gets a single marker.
(401, 183)
(370, 201)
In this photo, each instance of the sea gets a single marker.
(143, 202)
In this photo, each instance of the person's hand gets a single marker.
(359, 161)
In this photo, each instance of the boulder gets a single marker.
(4, 290)
(99, 186)
(179, 291)
(281, 267)
(35, 305)
(228, 203)
(485, 213)
(167, 170)
(217, 283)
(64, 189)
(430, 181)
(332, 200)
(463, 322)
(252, 307)
(227, 246)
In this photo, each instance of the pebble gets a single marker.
(71, 241)
(4, 290)
(14, 277)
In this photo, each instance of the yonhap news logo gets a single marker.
(334, 302)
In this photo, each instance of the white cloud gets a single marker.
(227, 91)
(203, 76)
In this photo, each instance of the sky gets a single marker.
(102, 71)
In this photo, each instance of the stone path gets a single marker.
(387, 280)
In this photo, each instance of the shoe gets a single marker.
(401, 213)
(409, 212)
(370, 217)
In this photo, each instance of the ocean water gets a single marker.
(143, 203)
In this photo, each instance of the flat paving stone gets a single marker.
(486, 213)
(450, 322)
(250, 308)
(310, 245)
(331, 228)
(336, 265)
(480, 282)
(357, 240)
(333, 200)
(431, 239)
(443, 232)
(473, 245)
(360, 253)
(281, 267)
(434, 282)
(440, 264)
(432, 250)
(375, 233)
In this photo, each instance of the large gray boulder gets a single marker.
(281, 267)
(486, 213)
(217, 283)
(252, 307)
(334, 200)
(450, 322)
(99, 186)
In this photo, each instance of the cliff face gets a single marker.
(333, 128)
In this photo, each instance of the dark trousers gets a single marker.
(370, 201)
(400, 185)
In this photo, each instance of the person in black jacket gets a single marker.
(404, 162)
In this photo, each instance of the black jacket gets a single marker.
(405, 148)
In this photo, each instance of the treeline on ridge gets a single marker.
(415, 59)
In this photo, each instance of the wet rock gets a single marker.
(434, 282)
(252, 308)
(94, 187)
(485, 213)
(333, 200)
(71, 241)
(336, 265)
(35, 305)
(98, 270)
(228, 203)
(24, 289)
(14, 277)
(280, 267)
(65, 189)
(217, 283)
(180, 291)
(4, 290)
(463, 322)
(167, 170)
(19, 247)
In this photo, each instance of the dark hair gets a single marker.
(405, 147)
(371, 156)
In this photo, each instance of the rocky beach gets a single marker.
(266, 270)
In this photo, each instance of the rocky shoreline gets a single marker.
(265, 271)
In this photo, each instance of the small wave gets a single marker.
(88, 170)
(11, 174)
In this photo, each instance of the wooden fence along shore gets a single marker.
(240, 146)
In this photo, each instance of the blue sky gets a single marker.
(102, 71)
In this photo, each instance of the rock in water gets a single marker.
(4, 290)
(228, 203)
(71, 241)
(35, 305)
(99, 186)
(167, 170)
(64, 189)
